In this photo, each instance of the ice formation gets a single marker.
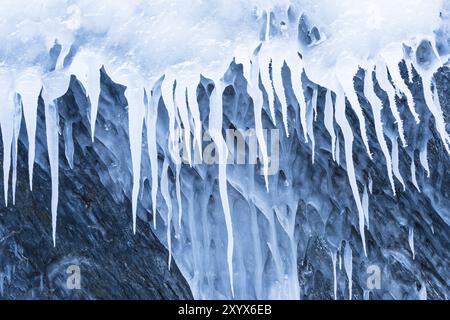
(140, 47)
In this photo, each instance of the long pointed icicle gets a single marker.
(279, 90)
(328, 120)
(16, 131)
(193, 108)
(29, 85)
(395, 162)
(432, 101)
(180, 102)
(150, 120)
(256, 95)
(215, 128)
(167, 91)
(413, 174)
(348, 265)
(136, 113)
(382, 77)
(167, 198)
(55, 86)
(295, 64)
(376, 111)
(401, 87)
(265, 61)
(346, 79)
(86, 67)
(333, 259)
(6, 124)
(348, 140)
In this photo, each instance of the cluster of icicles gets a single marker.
(20, 90)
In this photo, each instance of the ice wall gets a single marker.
(289, 51)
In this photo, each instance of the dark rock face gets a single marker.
(94, 224)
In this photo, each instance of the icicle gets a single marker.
(51, 124)
(7, 99)
(257, 97)
(167, 198)
(150, 121)
(279, 90)
(295, 64)
(314, 101)
(401, 87)
(338, 151)
(328, 120)
(370, 184)
(340, 260)
(167, 91)
(16, 131)
(55, 85)
(193, 108)
(265, 61)
(432, 101)
(413, 174)
(382, 77)
(411, 241)
(28, 85)
(348, 265)
(376, 111)
(136, 113)
(395, 162)
(86, 67)
(423, 157)
(68, 143)
(178, 192)
(345, 74)
(215, 128)
(180, 102)
(365, 204)
(310, 127)
(348, 140)
(333, 259)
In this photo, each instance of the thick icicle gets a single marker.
(7, 99)
(168, 200)
(411, 241)
(193, 108)
(348, 140)
(295, 64)
(329, 119)
(257, 97)
(55, 86)
(86, 67)
(150, 121)
(167, 91)
(348, 265)
(345, 74)
(383, 81)
(265, 61)
(395, 162)
(279, 90)
(215, 128)
(16, 131)
(310, 124)
(136, 113)
(29, 84)
(180, 102)
(376, 111)
(401, 87)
